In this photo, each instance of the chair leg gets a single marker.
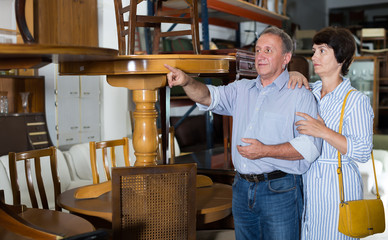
(195, 28)
(132, 27)
(157, 30)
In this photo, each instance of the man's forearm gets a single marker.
(198, 92)
(282, 151)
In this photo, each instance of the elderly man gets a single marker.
(268, 152)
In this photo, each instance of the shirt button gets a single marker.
(257, 109)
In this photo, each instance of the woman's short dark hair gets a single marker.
(341, 41)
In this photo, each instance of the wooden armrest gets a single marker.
(93, 191)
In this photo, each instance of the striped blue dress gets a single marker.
(321, 194)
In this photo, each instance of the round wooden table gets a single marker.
(61, 223)
(213, 203)
(144, 74)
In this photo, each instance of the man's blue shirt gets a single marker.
(268, 115)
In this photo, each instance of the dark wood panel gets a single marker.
(22, 132)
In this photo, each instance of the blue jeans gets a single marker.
(270, 209)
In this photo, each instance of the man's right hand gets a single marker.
(176, 77)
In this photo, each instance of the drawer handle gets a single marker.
(35, 123)
(91, 137)
(86, 127)
(72, 128)
(40, 143)
(69, 139)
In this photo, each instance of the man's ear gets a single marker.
(287, 58)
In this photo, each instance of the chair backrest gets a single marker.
(13, 223)
(108, 160)
(300, 64)
(128, 21)
(154, 202)
(33, 162)
(374, 34)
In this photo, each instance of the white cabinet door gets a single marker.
(68, 110)
(68, 86)
(90, 108)
(90, 87)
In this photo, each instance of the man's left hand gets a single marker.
(254, 150)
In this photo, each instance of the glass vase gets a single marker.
(24, 96)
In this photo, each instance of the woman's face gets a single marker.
(325, 63)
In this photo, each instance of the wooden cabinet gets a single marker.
(66, 22)
(23, 131)
(382, 100)
(78, 109)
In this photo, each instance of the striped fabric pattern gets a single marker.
(321, 193)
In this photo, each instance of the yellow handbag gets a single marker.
(359, 218)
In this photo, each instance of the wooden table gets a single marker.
(213, 203)
(61, 223)
(143, 74)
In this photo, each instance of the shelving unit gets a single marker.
(236, 11)
(382, 99)
(23, 131)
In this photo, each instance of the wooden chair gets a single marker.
(106, 146)
(12, 222)
(18, 228)
(154, 202)
(375, 35)
(300, 64)
(127, 21)
(35, 158)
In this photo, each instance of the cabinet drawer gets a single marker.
(38, 137)
(87, 136)
(35, 118)
(68, 138)
(36, 126)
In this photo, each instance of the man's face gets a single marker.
(269, 58)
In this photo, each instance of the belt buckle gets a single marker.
(255, 178)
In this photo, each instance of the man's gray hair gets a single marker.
(286, 39)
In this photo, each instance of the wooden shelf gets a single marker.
(14, 84)
(246, 11)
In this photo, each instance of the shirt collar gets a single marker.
(339, 92)
(279, 82)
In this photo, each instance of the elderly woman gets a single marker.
(333, 53)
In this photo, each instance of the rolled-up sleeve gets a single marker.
(358, 131)
(306, 147)
(215, 98)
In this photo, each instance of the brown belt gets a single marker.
(262, 177)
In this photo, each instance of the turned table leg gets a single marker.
(145, 140)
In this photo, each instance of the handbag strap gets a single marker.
(339, 170)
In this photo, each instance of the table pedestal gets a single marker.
(145, 139)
